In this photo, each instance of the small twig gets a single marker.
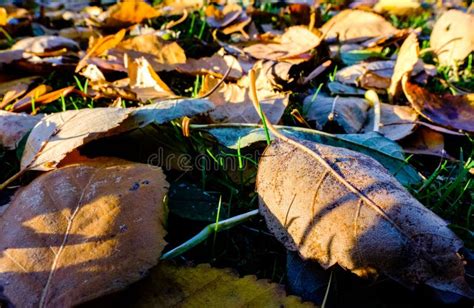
(206, 232)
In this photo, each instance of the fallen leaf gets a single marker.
(14, 126)
(349, 210)
(169, 54)
(46, 98)
(454, 111)
(145, 83)
(293, 46)
(385, 151)
(26, 100)
(82, 231)
(217, 66)
(59, 133)
(233, 104)
(352, 26)
(406, 61)
(9, 56)
(3, 16)
(348, 112)
(129, 12)
(183, 287)
(425, 141)
(396, 121)
(219, 18)
(452, 38)
(44, 43)
(352, 74)
(14, 89)
(100, 46)
(398, 7)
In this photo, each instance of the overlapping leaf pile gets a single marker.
(351, 88)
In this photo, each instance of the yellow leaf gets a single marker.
(130, 12)
(203, 286)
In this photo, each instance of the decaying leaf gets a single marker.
(129, 12)
(452, 37)
(145, 83)
(168, 54)
(59, 133)
(293, 46)
(26, 100)
(80, 232)
(14, 89)
(396, 121)
(44, 98)
(454, 111)
(203, 286)
(217, 18)
(41, 44)
(406, 61)
(348, 112)
(14, 126)
(351, 26)
(359, 74)
(216, 65)
(100, 46)
(425, 141)
(349, 210)
(233, 104)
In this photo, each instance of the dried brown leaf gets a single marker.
(217, 65)
(233, 104)
(453, 111)
(349, 210)
(406, 61)
(129, 12)
(351, 26)
(80, 232)
(425, 141)
(293, 46)
(396, 121)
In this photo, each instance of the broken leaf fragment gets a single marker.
(80, 232)
(352, 212)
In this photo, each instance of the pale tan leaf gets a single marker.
(233, 104)
(406, 61)
(334, 205)
(58, 134)
(219, 18)
(80, 232)
(203, 286)
(396, 122)
(164, 52)
(352, 26)
(145, 83)
(44, 43)
(14, 126)
(293, 46)
(452, 37)
(216, 65)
